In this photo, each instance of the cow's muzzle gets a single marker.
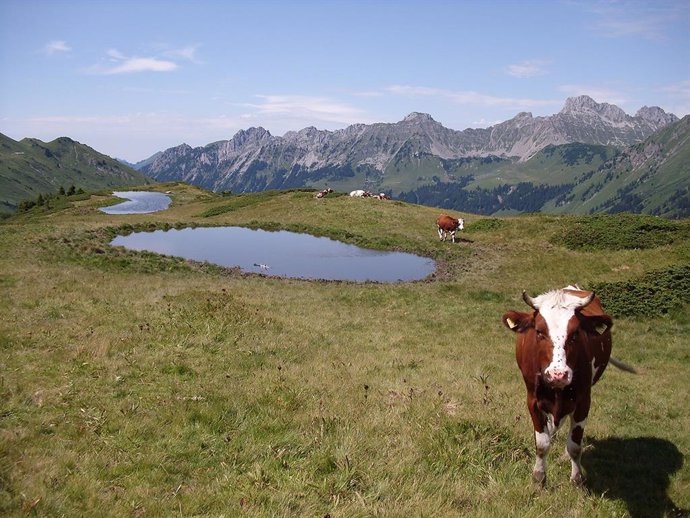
(558, 378)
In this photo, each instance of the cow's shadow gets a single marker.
(635, 470)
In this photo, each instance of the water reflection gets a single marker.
(139, 202)
(284, 254)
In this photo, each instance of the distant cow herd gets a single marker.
(562, 348)
(359, 193)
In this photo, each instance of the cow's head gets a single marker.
(556, 330)
(461, 224)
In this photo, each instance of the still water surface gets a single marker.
(283, 254)
(139, 202)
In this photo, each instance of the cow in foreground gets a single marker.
(563, 347)
(447, 224)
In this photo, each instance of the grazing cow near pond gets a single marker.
(446, 224)
(563, 347)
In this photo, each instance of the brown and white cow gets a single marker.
(446, 224)
(563, 347)
(323, 193)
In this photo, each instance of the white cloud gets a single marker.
(142, 65)
(122, 64)
(301, 107)
(470, 97)
(115, 55)
(56, 46)
(526, 69)
(188, 53)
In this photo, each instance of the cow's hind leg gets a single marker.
(573, 448)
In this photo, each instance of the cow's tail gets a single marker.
(622, 366)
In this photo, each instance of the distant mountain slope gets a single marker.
(650, 177)
(394, 157)
(31, 167)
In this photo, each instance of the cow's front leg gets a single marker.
(543, 431)
(573, 448)
(543, 444)
(452, 234)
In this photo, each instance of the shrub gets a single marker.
(656, 293)
(620, 232)
(486, 225)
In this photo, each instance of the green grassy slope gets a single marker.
(652, 177)
(31, 167)
(133, 384)
(407, 171)
(552, 165)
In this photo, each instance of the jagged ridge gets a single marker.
(255, 160)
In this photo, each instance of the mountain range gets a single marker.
(393, 157)
(589, 157)
(420, 160)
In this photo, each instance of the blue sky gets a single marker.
(130, 78)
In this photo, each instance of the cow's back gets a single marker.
(445, 222)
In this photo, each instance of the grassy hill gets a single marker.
(31, 167)
(652, 177)
(134, 384)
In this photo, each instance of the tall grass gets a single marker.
(139, 385)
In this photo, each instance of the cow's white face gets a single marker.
(557, 309)
(558, 374)
(461, 224)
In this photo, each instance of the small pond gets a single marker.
(281, 254)
(138, 202)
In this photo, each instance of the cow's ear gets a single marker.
(599, 324)
(517, 321)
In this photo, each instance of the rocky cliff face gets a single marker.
(255, 160)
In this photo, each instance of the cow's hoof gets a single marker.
(539, 478)
(578, 480)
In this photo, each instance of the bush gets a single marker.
(620, 232)
(486, 225)
(654, 294)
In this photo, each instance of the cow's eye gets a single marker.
(540, 335)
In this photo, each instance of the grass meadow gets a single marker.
(133, 384)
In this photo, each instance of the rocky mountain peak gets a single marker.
(418, 118)
(181, 149)
(656, 116)
(252, 134)
(579, 104)
(585, 105)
